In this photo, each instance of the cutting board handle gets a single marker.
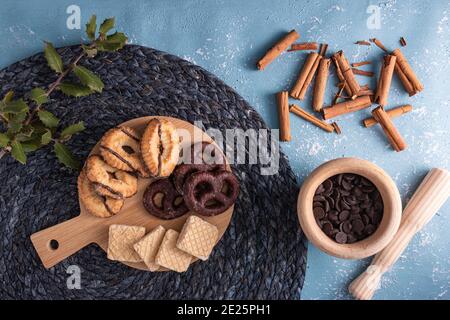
(56, 243)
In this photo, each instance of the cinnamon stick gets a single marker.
(336, 128)
(392, 113)
(346, 107)
(304, 46)
(362, 63)
(389, 129)
(320, 84)
(305, 76)
(277, 49)
(362, 72)
(379, 44)
(339, 93)
(283, 116)
(366, 92)
(346, 72)
(384, 81)
(363, 43)
(407, 76)
(323, 49)
(311, 118)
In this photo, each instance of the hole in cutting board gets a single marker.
(53, 244)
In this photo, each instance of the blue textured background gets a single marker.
(228, 37)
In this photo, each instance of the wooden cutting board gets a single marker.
(56, 243)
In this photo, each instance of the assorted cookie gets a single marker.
(121, 241)
(210, 192)
(162, 200)
(148, 246)
(197, 184)
(200, 183)
(111, 180)
(169, 256)
(162, 248)
(198, 237)
(120, 148)
(160, 146)
(94, 203)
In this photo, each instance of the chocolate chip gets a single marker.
(319, 213)
(369, 229)
(328, 186)
(368, 189)
(344, 215)
(326, 206)
(347, 207)
(365, 219)
(330, 201)
(346, 226)
(319, 198)
(358, 225)
(327, 227)
(351, 239)
(344, 205)
(341, 237)
(320, 189)
(317, 204)
(349, 176)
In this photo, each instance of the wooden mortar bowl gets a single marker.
(391, 214)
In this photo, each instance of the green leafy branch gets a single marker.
(28, 126)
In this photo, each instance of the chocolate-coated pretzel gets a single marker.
(210, 193)
(183, 171)
(171, 204)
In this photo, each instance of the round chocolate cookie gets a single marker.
(162, 200)
(210, 193)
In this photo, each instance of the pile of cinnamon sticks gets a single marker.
(351, 96)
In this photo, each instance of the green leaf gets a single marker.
(17, 152)
(6, 99)
(90, 52)
(107, 25)
(53, 58)
(46, 137)
(48, 118)
(16, 106)
(117, 37)
(3, 140)
(30, 146)
(39, 96)
(8, 96)
(65, 156)
(75, 90)
(25, 133)
(15, 123)
(91, 26)
(72, 129)
(109, 46)
(88, 78)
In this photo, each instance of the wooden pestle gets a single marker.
(426, 201)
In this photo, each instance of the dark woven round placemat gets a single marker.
(261, 256)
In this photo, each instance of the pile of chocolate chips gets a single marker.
(348, 207)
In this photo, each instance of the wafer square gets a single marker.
(121, 241)
(148, 246)
(170, 256)
(198, 237)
